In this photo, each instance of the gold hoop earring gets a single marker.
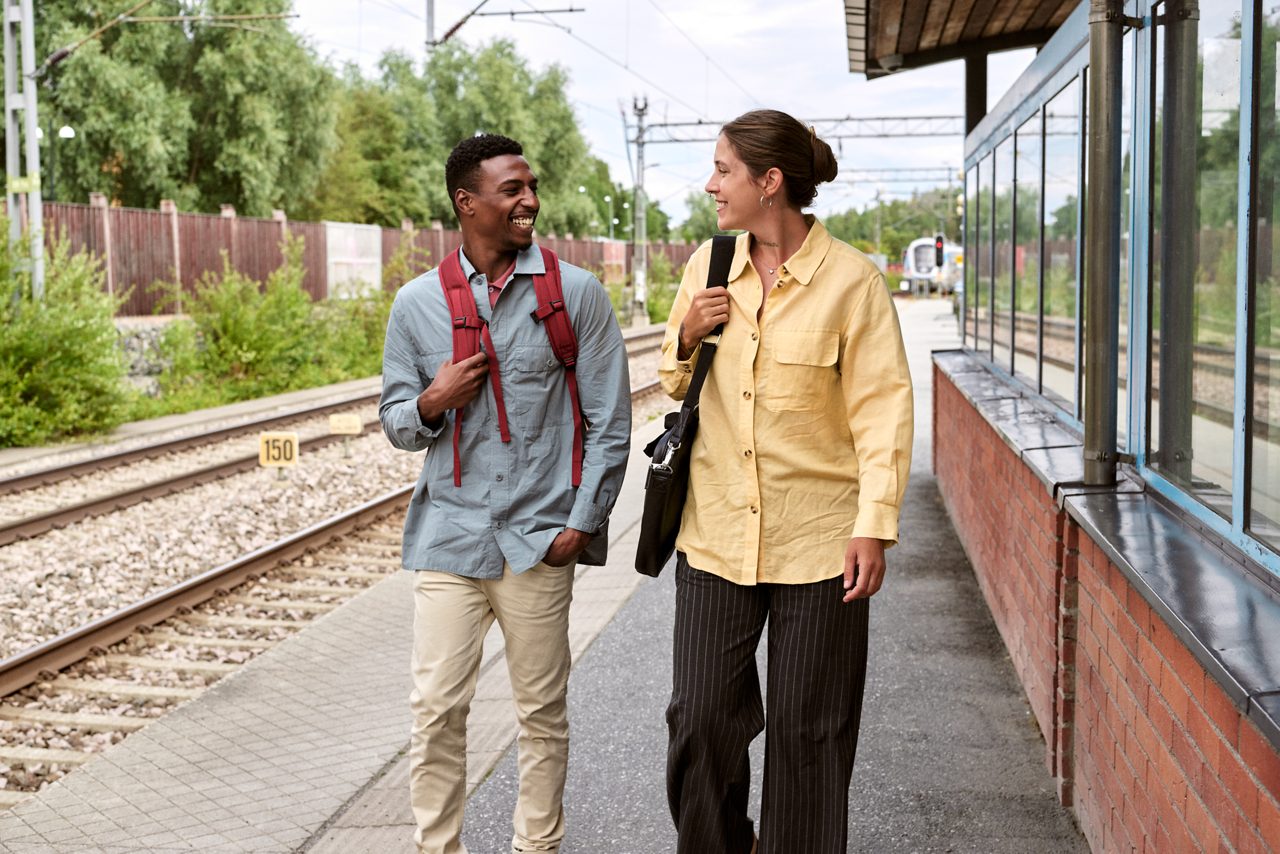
(762, 199)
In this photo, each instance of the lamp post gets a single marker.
(64, 132)
(609, 199)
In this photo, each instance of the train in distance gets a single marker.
(932, 265)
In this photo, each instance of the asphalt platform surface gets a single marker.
(949, 757)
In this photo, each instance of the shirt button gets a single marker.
(755, 336)
(746, 395)
(499, 524)
(747, 453)
(755, 509)
(499, 477)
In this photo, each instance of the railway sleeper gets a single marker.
(334, 574)
(240, 622)
(310, 589)
(115, 688)
(278, 604)
(158, 636)
(11, 798)
(42, 756)
(177, 665)
(90, 722)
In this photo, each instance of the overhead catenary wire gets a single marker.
(569, 32)
(705, 55)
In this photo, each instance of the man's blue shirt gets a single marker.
(516, 496)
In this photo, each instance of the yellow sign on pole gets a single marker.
(345, 424)
(278, 449)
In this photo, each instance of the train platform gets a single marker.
(303, 749)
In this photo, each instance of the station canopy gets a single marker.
(885, 36)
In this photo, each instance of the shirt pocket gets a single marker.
(800, 370)
(530, 380)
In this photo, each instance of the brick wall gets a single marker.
(1164, 760)
(1145, 746)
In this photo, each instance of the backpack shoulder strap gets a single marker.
(464, 317)
(554, 317)
(468, 331)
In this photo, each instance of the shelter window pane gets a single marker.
(971, 219)
(982, 287)
(1002, 301)
(1061, 244)
(1026, 257)
(1193, 266)
(1264, 521)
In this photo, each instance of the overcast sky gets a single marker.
(692, 59)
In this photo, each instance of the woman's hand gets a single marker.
(709, 308)
(863, 567)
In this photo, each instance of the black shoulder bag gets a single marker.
(667, 483)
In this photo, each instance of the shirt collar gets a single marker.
(806, 261)
(802, 265)
(528, 263)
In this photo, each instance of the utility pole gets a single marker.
(640, 249)
(431, 26)
(19, 26)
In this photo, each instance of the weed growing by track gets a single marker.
(61, 373)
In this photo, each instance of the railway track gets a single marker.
(34, 503)
(73, 695)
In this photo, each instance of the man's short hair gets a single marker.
(463, 165)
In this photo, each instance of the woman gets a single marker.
(796, 478)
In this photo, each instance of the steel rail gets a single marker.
(55, 474)
(48, 476)
(25, 668)
(21, 670)
(31, 526)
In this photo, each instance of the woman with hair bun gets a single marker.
(796, 479)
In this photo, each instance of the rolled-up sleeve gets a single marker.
(401, 385)
(876, 383)
(604, 391)
(675, 373)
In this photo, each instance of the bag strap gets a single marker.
(722, 246)
(554, 317)
(469, 330)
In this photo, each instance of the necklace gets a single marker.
(776, 265)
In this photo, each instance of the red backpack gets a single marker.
(469, 329)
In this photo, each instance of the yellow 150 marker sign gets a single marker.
(277, 449)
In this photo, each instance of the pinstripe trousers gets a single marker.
(816, 673)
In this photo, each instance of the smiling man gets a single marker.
(497, 523)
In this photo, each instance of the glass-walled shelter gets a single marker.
(1197, 388)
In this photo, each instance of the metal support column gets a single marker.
(19, 15)
(640, 257)
(975, 91)
(1102, 241)
(1178, 243)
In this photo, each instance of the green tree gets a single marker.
(201, 114)
(491, 89)
(700, 225)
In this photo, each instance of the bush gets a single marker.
(61, 371)
(663, 284)
(245, 340)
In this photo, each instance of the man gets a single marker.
(495, 524)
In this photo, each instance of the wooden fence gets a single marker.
(144, 252)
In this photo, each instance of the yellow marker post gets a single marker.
(278, 450)
(346, 425)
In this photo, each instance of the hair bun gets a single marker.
(824, 160)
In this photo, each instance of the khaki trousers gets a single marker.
(452, 614)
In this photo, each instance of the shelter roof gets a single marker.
(885, 36)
